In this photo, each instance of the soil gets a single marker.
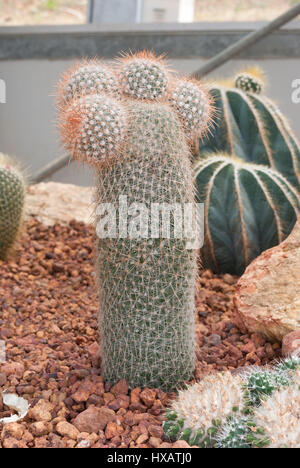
(48, 322)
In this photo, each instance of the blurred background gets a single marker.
(20, 12)
(39, 39)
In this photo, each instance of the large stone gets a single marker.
(94, 419)
(267, 298)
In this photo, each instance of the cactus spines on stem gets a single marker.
(146, 282)
(249, 209)
(12, 196)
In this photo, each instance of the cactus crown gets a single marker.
(92, 100)
(251, 80)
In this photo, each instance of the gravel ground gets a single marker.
(48, 321)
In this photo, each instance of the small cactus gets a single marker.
(249, 209)
(200, 410)
(256, 409)
(251, 127)
(251, 80)
(12, 196)
(136, 142)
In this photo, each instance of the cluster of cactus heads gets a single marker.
(137, 142)
(256, 409)
(249, 208)
(12, 197)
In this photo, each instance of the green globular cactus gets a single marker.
(12, 196)
(248, 209)
(250, 126)
(138, 147)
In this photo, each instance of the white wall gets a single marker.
(27, 120)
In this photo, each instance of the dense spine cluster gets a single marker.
(194, 106)
(248, 83)
(94, 128)
(89, 77)
(137, 143)
(12, 196)
(249, 209)
(267, 411)
(143, 77)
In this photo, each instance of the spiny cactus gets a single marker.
(251, 127)
(249, 209)
(140, 153)
(252, 80)
(86, 77)
(12, 196)
(226, 411)
(279, 418)
(199, 411)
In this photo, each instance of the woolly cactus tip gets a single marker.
(143, 76)
(93, 127)
(252, 80)
(279, 418)
(194, 105)
(88, 77)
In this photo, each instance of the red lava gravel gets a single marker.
(48, 322)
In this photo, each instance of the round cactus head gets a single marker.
(143, 76)
(93, 128)
(94, 103)
(87, 77)
(252, 80)
(193, 104)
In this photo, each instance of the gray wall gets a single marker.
(27, 120)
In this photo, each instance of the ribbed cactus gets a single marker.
(251, 127)
(248, 209)
(256, 409)
(12, 196)
(146, 283)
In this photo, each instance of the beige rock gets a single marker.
(52, 202)
(14, 430)
(267, 298)
(41, 411)
(66, 429)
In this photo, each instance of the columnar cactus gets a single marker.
(251, 127)
(137, 143)
(249, 208)
(12, 196)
